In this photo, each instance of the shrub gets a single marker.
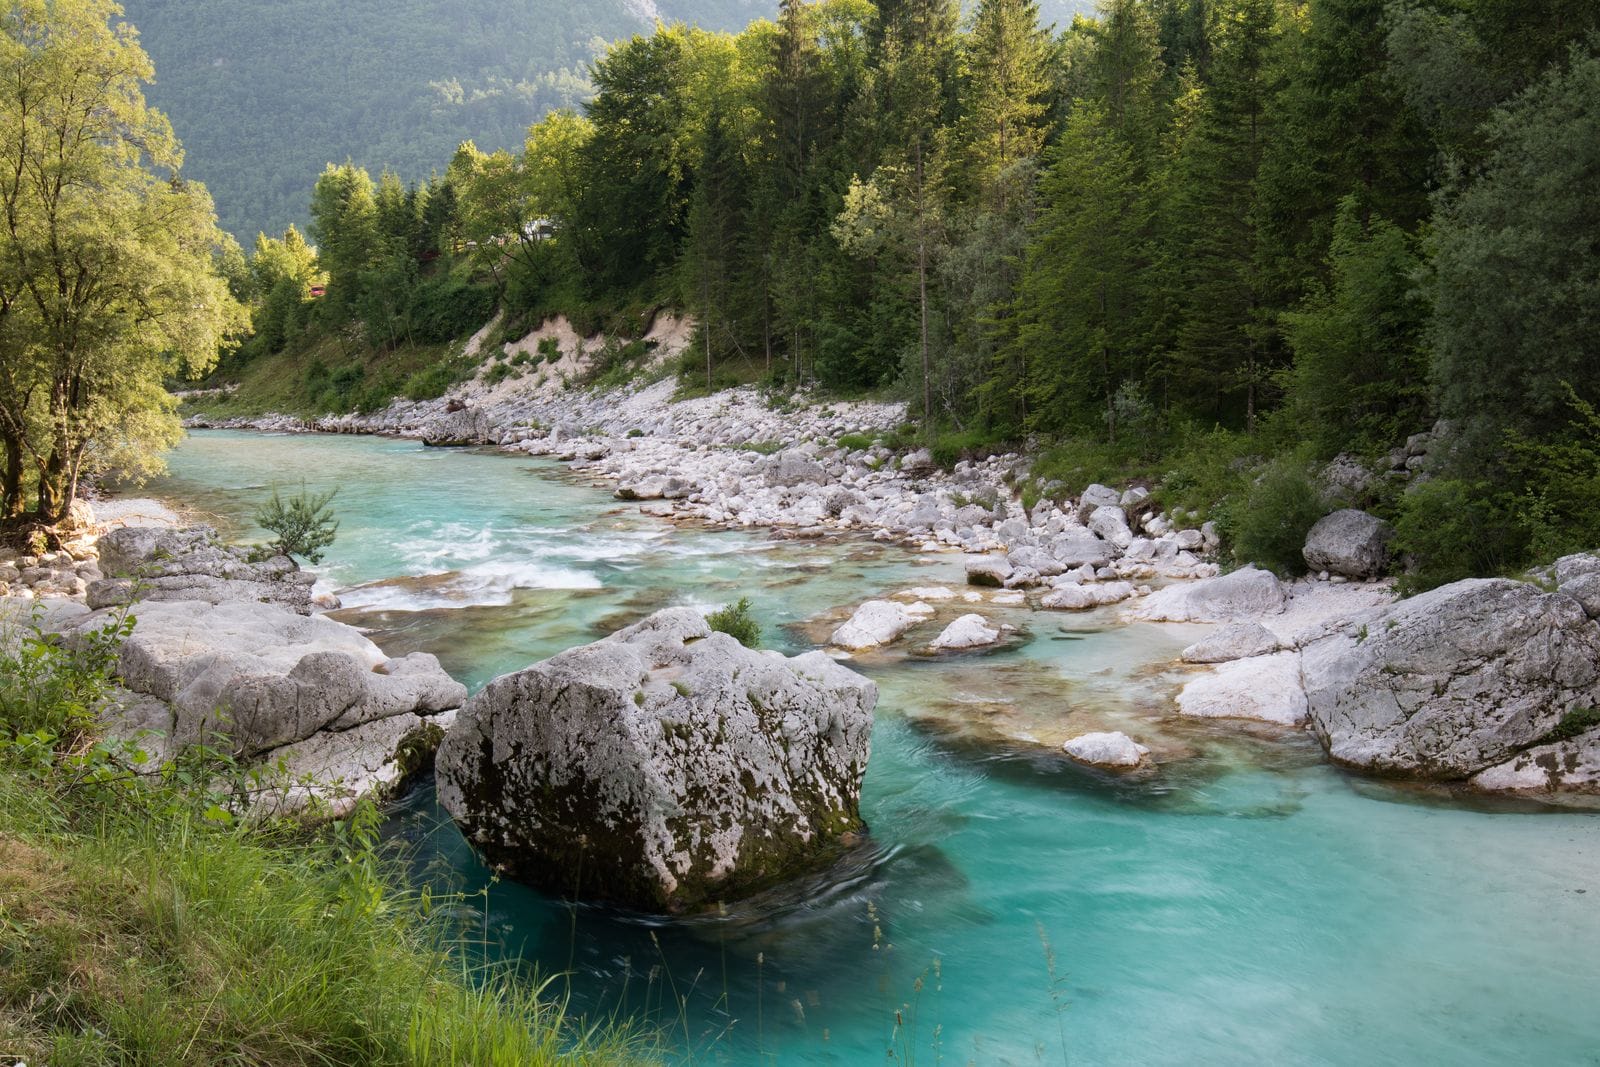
(1269, 524)
(855, 442)
(1575, 722)
(1448, 529)
(498, 373)
(435, 381)
(736, 621)
(549, 349)
(304, 523)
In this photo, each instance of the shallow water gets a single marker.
(1246, 904)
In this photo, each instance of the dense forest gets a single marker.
(1250, 229)
(265, 92)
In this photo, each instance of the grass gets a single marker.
(141, 922)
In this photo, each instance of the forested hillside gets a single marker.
(264, 93)
(1254, 234)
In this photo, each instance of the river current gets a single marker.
(1244, 903)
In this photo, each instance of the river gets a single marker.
(1245, 903)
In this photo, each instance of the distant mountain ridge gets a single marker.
(265, 93)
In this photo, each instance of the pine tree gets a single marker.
(1005, 107)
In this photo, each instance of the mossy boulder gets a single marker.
(665, 768)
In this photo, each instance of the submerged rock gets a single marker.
(1350, 543)
(665, 767)
(878, 622)
(1453, 681)
(156, 563)
(1106, 750)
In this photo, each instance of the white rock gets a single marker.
(878, 622)
(1106, 750)
(969, 631)
(1267, 688)
(1239, 641)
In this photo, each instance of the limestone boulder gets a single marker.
(1350, 543)
(1245, 594)
(664, 768)
(969, 631)
(1078, 548)
(992, 571)
(156, 563)
(1567, 766)
(794, 467)
(1264, 688)
(1095, 497)
(252, 678)
(1454, 681)
(1111, 525)
(877, 623)
(1238, 641)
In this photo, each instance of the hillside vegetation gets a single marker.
(265, 93)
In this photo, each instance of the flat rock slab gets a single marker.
(1265, 688)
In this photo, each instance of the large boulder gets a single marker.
(1078, 548)
(155, 563)
(1111, 525)
(252, 678)
(1348, 542)
(992, 571)
(1451, 682)
(1241, 596)
(793, 467)
(1095, 497)
(665, 767)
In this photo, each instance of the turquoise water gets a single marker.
(1246, 904)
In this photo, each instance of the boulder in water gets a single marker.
(878, 622)
(665, 767)
(969, 631)
(1114, 749)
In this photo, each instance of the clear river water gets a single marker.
(1242, 903)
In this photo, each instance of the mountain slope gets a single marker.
(265, 93)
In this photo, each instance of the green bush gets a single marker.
(304, 523)
(436, 380)
(498, 373)
(1269, 523)
(855, 442)
(1575, 722)
(1448, 529)
(736, 621)
(549, 350)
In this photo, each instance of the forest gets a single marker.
(1251, 235)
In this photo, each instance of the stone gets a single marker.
(1134, 498)
(877, 623)
(155, 563)
(255, 677)
(325, 775)
(1585, 589)
(991, 571)
(1095, 497)
(1106, 750)
(919, 460)
(1568, 766)
(665, 768)
(969, 631)
(1349, 542)
(1265, 688)
(1111, 525)
(1036, 560)
(1451, 682)
(1238, 641)
(794, 467)
(1073, 596)
(1078, 548)
(1245, 594)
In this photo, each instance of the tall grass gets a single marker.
(142, 923)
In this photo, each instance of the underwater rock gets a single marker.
(665, 767)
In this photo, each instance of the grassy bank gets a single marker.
(141, 923)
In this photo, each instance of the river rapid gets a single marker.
(1242, 903)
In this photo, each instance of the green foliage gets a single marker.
(132, 902)
(1450, 529)
(1560, 503)
(1573, 723)
(737, 622)
(855, 442)
(1269, 523)
(304, 523)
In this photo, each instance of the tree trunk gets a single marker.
(922, 289)
(11, 480)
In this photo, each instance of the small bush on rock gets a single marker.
(736, 621)
(304, 523)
